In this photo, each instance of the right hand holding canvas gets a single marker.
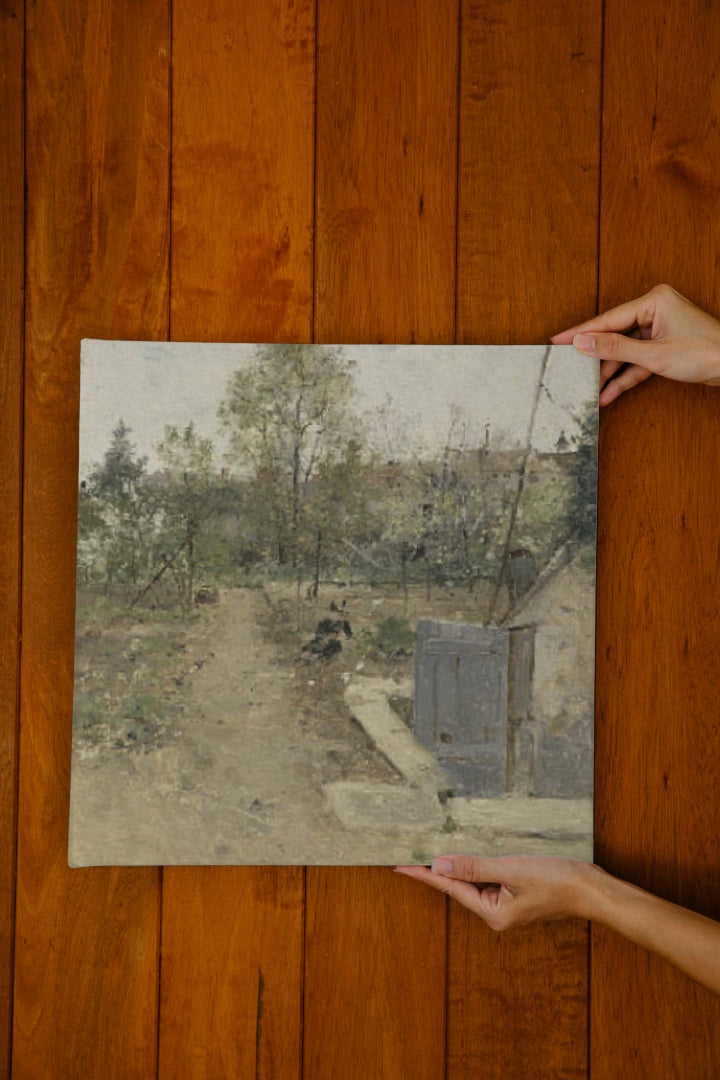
(513, 890)
(660, 333)
(521, 889)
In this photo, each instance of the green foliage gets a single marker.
(392, 638)
(121, 474)
(542, 521)
(88, 709)
(115, 514)
(293, 438)
(139, 529)
(582, 508)
(127, 666)
(309, 499)
(139, 708)
(186, 497)
(587, 559)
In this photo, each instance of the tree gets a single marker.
(291, 431)
(187, 492)
(582, 505)
(458, 502)
(116, 508)
(92, 533)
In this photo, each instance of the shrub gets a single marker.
(392, 638)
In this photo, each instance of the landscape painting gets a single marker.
(335, 604)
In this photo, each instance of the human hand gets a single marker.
(512, 890)
(660, 333)
(521, 889)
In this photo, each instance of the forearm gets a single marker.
(685, 939)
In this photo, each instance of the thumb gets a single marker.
(465, 868)
(621, 349)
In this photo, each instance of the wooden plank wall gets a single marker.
(658, 668)
(97, 235)
(358, 170)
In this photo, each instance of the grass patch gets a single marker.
(140, 707)
(88, 709)
(390, 639)
(130, 666)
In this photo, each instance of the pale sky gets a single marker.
(423, 387)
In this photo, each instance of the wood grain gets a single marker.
(517, 1002)
(231, 1000)
(658, 677)
(12, 19)
(384, 271)
(375, 976)
(383, 268)
(386, 171)
(243, 144)
(658, 753)
(243, 138)
(527, 249)
(97, 230)
(657, 748)
(529, 155)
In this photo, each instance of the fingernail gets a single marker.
(585, 342)
(441, 866)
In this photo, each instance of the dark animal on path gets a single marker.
(207, 594)
(321, 648)
(333, 626)
(326, 642)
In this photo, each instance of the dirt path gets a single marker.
(241, 779)
(242, 783)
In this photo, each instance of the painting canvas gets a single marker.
(335, 604)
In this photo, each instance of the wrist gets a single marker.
(612, 902)
(597, 893)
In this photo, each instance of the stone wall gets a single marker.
(554, 741)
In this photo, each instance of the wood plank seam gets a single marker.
(458, 144)
(313, 289)
(18, 532)
(601, 112)
(169, 213)
(304, 929)
(598, 288)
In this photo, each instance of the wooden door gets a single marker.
(461, 702)
(357, 170)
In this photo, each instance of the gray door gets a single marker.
(461, 696)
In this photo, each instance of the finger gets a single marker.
(621, 349)
(465, 893)
(420, 873)
(473, 868)
(628, 378)
(640, 311)
(489, 902)
(608, 368)
(566, 338)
